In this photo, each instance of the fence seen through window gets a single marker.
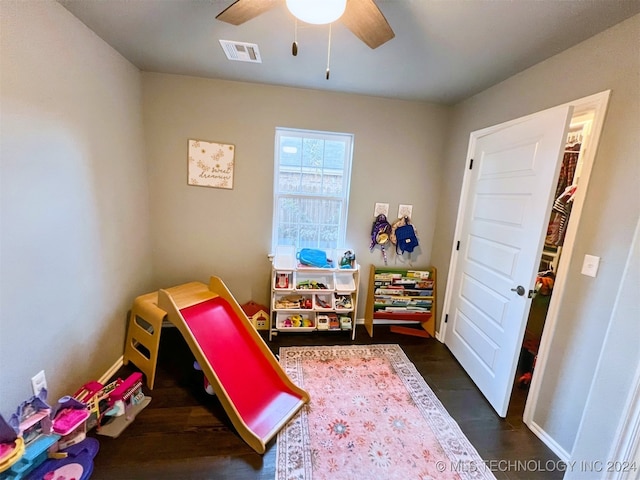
(311, 188)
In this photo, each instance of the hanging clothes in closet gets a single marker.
(565, 191)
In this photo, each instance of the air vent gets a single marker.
(241, 51)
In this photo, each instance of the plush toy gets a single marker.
(296, 320)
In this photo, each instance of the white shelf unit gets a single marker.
(299, 294)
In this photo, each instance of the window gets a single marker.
(311, 188)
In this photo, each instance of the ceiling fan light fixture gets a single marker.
(317, 12)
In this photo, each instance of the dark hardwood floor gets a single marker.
(185, 434)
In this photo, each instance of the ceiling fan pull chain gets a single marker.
(329, 52)
(294, 47)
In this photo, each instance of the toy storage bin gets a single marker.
(292, 301)
(344, 282)
(342, 302)
(285, 258)
(323, 302)
(314, 282)
(282, 324)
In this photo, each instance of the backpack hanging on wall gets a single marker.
(404, 236)
(380, 234)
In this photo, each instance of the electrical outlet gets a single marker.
(38, 382)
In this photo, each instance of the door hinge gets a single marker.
(470, 163)
(446, 318)
(458, 245)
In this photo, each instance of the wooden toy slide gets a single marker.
(256, 393)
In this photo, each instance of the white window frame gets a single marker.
(347, 138)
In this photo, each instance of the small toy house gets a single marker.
(257, 314)
(32, 423)
(32, 418)
(70, 421)
(121, 405)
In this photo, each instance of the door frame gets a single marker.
(596, 103)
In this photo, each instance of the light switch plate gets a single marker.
(590, 265)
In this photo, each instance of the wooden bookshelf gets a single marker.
(403, 295)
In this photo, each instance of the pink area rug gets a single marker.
(371, 416)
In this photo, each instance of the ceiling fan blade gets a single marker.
(366, 21)
(241, 11)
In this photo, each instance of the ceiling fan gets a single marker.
(362, 17)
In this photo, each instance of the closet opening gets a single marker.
(566, 189)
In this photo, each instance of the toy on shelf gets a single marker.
(323, 322)
(311, 285)
(345, 323)
(348, 259)
(282, 280)
(343, 302)
(296, 322)
(290, 302)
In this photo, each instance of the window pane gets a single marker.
(332, 184)
(312, 152)
(311, 183)
(334, 155)
(289, 181)
(311, 188)
(309, 222)
(290, 151)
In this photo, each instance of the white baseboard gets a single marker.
(106, 376)
(380, 321)
(549, 442)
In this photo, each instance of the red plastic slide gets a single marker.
(251, 385)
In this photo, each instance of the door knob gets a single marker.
(519, 290)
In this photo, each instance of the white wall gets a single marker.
(200, 231)
(74, 200)
(609, 60)
(606, 405)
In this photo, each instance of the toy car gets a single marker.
(345, 323)
(323, 322)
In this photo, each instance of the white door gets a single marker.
(501, 230)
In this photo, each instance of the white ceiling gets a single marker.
(444, 50)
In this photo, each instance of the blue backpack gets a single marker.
(406, 239)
